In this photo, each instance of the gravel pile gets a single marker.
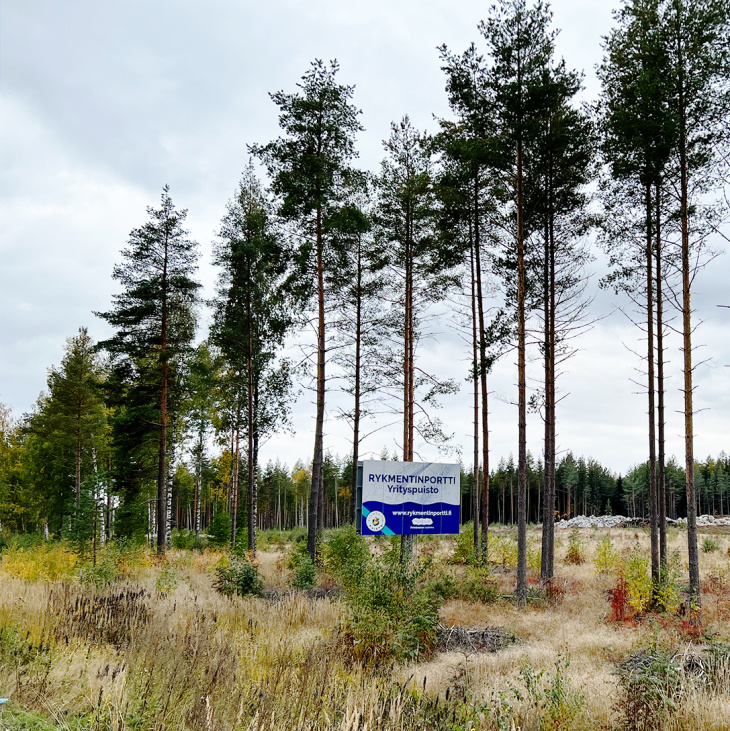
(618, 521)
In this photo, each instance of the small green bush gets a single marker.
(503, 551)
(393, 613)
(479, 586)
(607, 558)
(304, 572)
(710, 544)
(638, 579)
(219, 530)
(166, 581)
(239, 578)
(447, 586)
(346, 555)
(464, 552)
(104, 571)
(576, 550)
(668, 590)
(185, 540)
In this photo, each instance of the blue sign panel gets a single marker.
(410, 498)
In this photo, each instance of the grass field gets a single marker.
(144, 643)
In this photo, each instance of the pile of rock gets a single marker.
(621, 521)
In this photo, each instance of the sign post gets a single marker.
(408, 498)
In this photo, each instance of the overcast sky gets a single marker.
(102, 103)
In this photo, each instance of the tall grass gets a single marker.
(123, 654)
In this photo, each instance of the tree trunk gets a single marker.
(408, 370)
(482, 376)
(168, 497)
(235, 487)
(162, 453)
(693, 554)
(661, 478)
(521, 588)
(250, 415)
(315, 499)
(356, 411)
(653, 512)
(475, 385)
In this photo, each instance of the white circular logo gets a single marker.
(375, 521)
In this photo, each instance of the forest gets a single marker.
(492, 218)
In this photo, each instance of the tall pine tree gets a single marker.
(154, 318)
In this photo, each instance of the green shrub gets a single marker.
(576, 550)
(393, 613)
(668, 590)
(464, 552)
(104, 571)
(185, 540)
(304, 572)
(166, 581)
(346, 555)
(219, 530)
(607, 558)
(503, 551)
(710, 544)
(239, 577)
(479, 586)
(638, 580)
(534, 555)
(447, 586)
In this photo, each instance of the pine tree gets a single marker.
(468, 143)
(154, 321)
(250, 322)
(520, 47)
(697, 34)
(639, 132)
(359, 319)
(309, 167)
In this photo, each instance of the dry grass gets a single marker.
(162, 650)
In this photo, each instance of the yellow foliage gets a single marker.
(47, 561)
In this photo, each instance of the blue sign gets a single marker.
(410, 498)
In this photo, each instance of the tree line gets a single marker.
(488, 217)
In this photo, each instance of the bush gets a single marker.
(710, 544)
(346, 555)
(393, 613)
(576, 551)
(667, 591)
(464, 552)
(479, 586)
(607, 557)
(104, 571)
(48, 561)
(166, 581)
(503, 551)
(219, 530)
(185, 540)
(239, 577)
(304, 572)
(650, 683)
(638, 580)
